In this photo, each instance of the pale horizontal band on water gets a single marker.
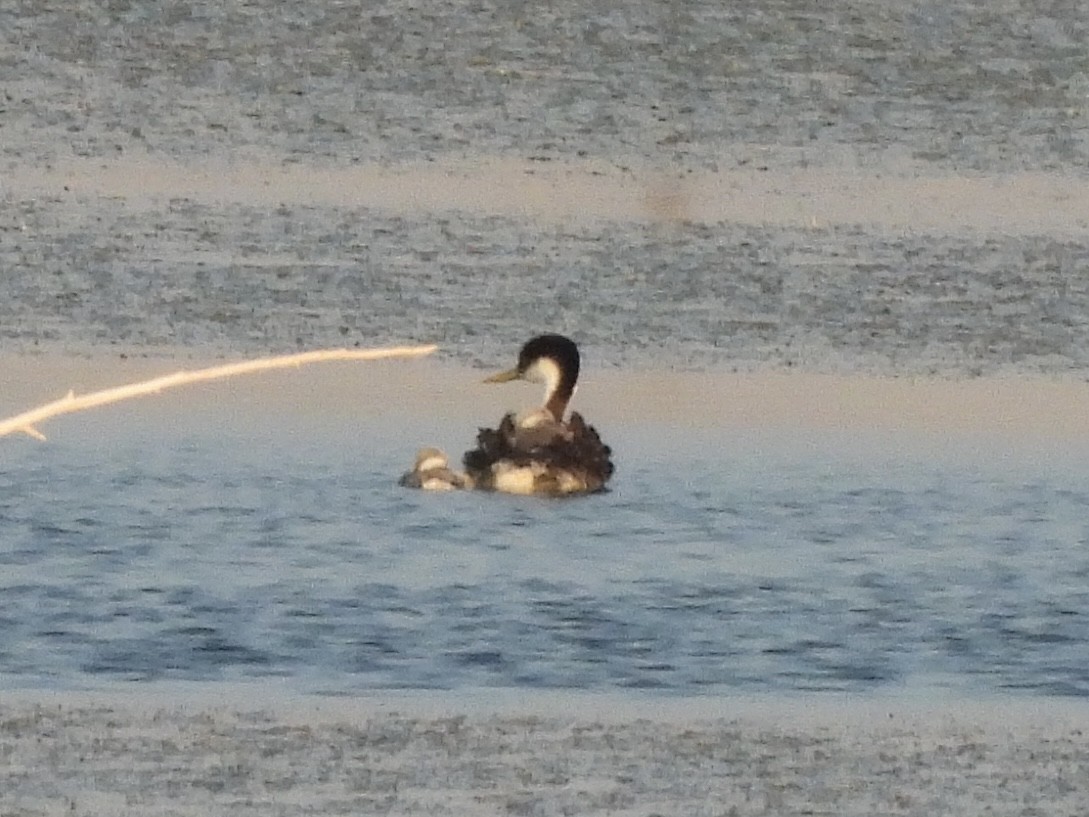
(897, 195)
(922, 708)
(1013, 407)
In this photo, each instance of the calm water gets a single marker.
(811, 563)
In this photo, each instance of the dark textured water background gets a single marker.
(685, 88)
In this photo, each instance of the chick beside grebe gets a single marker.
(432, 472)
(537, 452)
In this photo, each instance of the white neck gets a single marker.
(544, 370)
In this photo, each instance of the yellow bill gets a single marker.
(503, 377)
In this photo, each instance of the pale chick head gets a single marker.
(428, 459)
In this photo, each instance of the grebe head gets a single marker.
(432, 472)
(549, 359)
(428, 459)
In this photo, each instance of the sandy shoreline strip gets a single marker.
(899, 196)
(1018, 408)
(200, 754)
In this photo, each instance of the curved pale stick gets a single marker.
(71, 402)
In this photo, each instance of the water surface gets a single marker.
(721, 561)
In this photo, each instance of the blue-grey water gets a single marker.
(719, 562)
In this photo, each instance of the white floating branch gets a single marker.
(71, 402)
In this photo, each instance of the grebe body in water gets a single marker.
(538, 452)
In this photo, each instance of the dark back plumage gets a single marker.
(538, 452)
(573, 456)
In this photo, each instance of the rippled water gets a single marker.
(691, 295)
(686, 89)
(717, 563)
(958, 83)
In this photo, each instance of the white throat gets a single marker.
(544, 370)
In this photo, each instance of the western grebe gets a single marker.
(537, 452)
(432, 472)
